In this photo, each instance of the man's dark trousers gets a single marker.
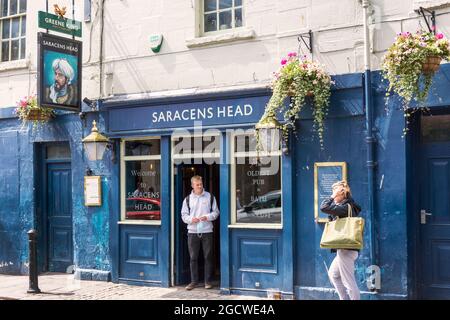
(206, 242)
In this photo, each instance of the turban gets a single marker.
(64, 67)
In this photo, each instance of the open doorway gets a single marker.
(182, 187)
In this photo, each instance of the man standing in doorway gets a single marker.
(199, 209)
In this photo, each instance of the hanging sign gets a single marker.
(92, 191)
(325, 175)
(59, 24)
(59, 72)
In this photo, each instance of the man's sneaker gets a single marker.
(191, 285)
(208, 286)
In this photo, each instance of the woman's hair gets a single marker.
(343, 186)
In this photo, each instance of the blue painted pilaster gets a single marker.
(225, 184)
(165, 210)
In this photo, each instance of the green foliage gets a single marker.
(299, 79)
(404, 62)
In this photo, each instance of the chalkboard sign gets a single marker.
(325, 174)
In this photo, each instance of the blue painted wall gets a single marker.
(18, 171)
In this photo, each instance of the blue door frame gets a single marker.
(182, 189)
(434, 230)
(53, 212)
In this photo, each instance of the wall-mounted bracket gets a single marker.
(432, 14)
(307, 39)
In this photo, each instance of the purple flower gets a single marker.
(283, 62)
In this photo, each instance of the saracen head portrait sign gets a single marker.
(59, 72)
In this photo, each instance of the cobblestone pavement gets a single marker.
(66, 287)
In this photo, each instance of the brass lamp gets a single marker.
(95, 144)
(269, 133)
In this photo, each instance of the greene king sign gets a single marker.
(56, 23)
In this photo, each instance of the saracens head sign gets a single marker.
(59, 72)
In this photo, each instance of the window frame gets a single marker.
(10, 39)
(123, 160)
(217, 11)
(233, 211)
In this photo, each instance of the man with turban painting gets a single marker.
(62, 91)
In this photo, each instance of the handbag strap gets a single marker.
(349, 210)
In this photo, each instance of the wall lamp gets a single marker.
(270, 135)
(95, 145)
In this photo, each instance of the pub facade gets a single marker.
(189, 108)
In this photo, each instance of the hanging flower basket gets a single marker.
(410, 64)
(298, 79)
(28, 111)
(37, 115)
(431, 64)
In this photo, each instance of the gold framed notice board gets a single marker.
(92, 191)
(325, 174)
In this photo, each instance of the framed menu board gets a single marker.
(92, 191)
(325, 174)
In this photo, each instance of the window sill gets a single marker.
(255, 226)
(14, 65)
(141, 222)
(231, 35)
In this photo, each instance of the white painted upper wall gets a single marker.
(189, 61)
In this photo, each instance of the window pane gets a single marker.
(237, 3)
(23, 29)
(15, 50)
(224, 4)
(210, 5)
(149, 147)
(238, 18)
(245, 143)
(225, 20)
(15, 28)
(23, 6)
(58, 151)
(12, 7)
(258, 192)
(435, 128)
(210, 22)
(5, 32)
(142, 189)
(22, 48)
(5, 51)
(200, 144)
(4, 8)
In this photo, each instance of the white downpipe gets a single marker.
(366, 5)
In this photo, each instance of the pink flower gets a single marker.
(283, 62)
(439, 36)
(292, 54)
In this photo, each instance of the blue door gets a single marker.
(59, 216)
(435, 208)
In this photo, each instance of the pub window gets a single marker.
(221, 15)
(13, 29)
(257, 195)
(141, 180)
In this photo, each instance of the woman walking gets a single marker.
(342, 269)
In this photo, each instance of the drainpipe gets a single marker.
(102, 26)
(370, 140)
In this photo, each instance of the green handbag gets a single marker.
(343, 233)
